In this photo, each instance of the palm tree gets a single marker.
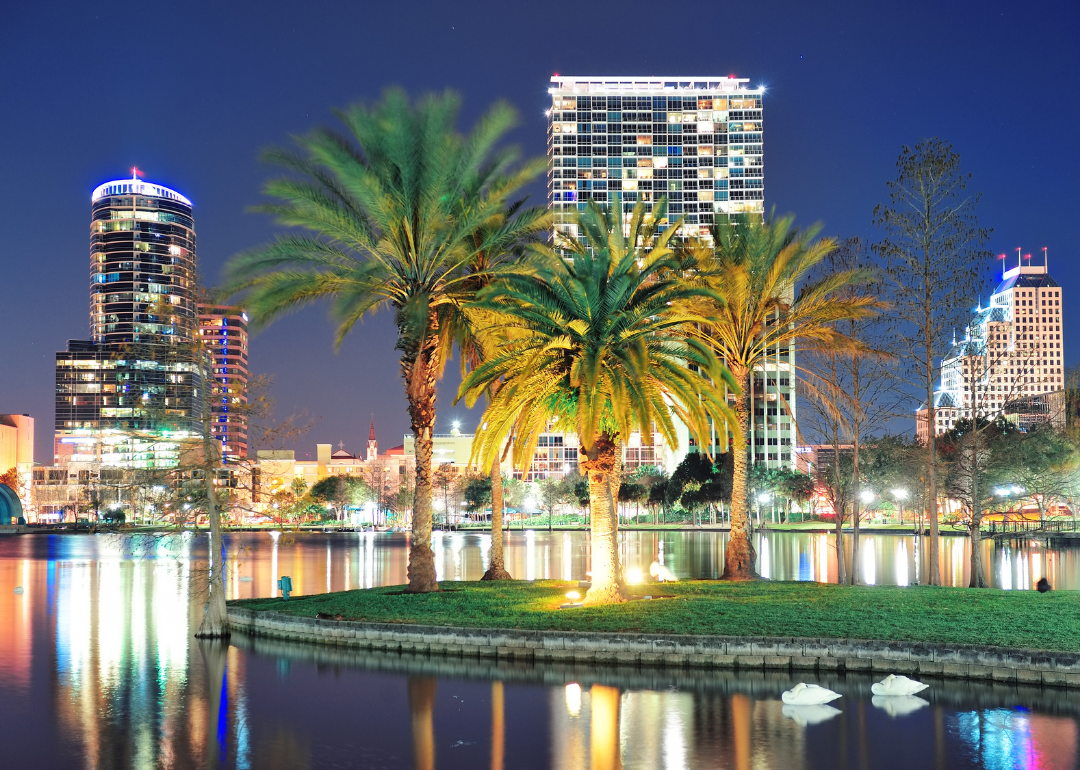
(597, 337)
(499, 249)
(391, 207)
(754, 267)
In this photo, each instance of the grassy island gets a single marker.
(1015, 619)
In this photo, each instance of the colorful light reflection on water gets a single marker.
(98, 670)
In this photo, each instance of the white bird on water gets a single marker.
(894, 685)
(662, 573)
(804, 694)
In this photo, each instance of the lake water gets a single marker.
(98, 669)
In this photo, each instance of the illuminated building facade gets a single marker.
(1009, 362)
(17, 452)
(223, 330)
(128, 395)
(696, 140)
(699, 142)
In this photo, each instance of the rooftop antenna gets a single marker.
(1019, 261)
(1002, 258)
(1046, 260)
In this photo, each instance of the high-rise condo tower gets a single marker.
(128, 394)
(698, 141)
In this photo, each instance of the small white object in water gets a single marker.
(804, 694)
(18, 590)
(662, 573)
(898, 705)
(894, 685)
(809, 715)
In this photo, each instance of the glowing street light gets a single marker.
(900, 495)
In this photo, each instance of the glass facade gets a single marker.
(142, 266)
(696, 140)
(129, 395)
(1009, 361)
(699, 142)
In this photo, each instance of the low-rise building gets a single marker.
(17, 453)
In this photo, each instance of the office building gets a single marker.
(223, 330)
(127, 396)
(1009, 360)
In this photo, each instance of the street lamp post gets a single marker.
(900, 495)
(762, 498)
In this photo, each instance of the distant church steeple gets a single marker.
(372, 444)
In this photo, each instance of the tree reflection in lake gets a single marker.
(98, 669)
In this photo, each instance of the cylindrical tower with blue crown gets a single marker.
(142, 264)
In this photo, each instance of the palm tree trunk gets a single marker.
(419, 368)
(496, 567)
(739, 556)
(601, 462)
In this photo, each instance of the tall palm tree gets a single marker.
(755, 267)
(392, 207)
(499, 249)
(597, 336)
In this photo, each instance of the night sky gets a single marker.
(191, 92)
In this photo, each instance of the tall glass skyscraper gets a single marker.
(698, 141)
(126, 396)
(142, 264)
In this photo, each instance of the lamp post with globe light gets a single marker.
(763, 498)
(900, 495)
(866, 497)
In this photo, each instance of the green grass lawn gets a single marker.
(759, 608)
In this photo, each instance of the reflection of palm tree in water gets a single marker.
(497, 726)
(604, 727)
(422, 708)
(740, 721)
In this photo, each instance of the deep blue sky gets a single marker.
(190, 92)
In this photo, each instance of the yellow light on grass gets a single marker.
(634, 576)
(573, 595)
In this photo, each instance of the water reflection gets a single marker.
(98, 669)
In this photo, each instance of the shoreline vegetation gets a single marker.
(916, 614)
(814, 528)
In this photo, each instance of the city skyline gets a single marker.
(835, 132)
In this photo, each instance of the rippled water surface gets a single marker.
(98, 669)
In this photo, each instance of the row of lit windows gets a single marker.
(700, 102)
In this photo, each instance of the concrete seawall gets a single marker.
(1032, 667)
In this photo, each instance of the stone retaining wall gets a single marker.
(1037, 667)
